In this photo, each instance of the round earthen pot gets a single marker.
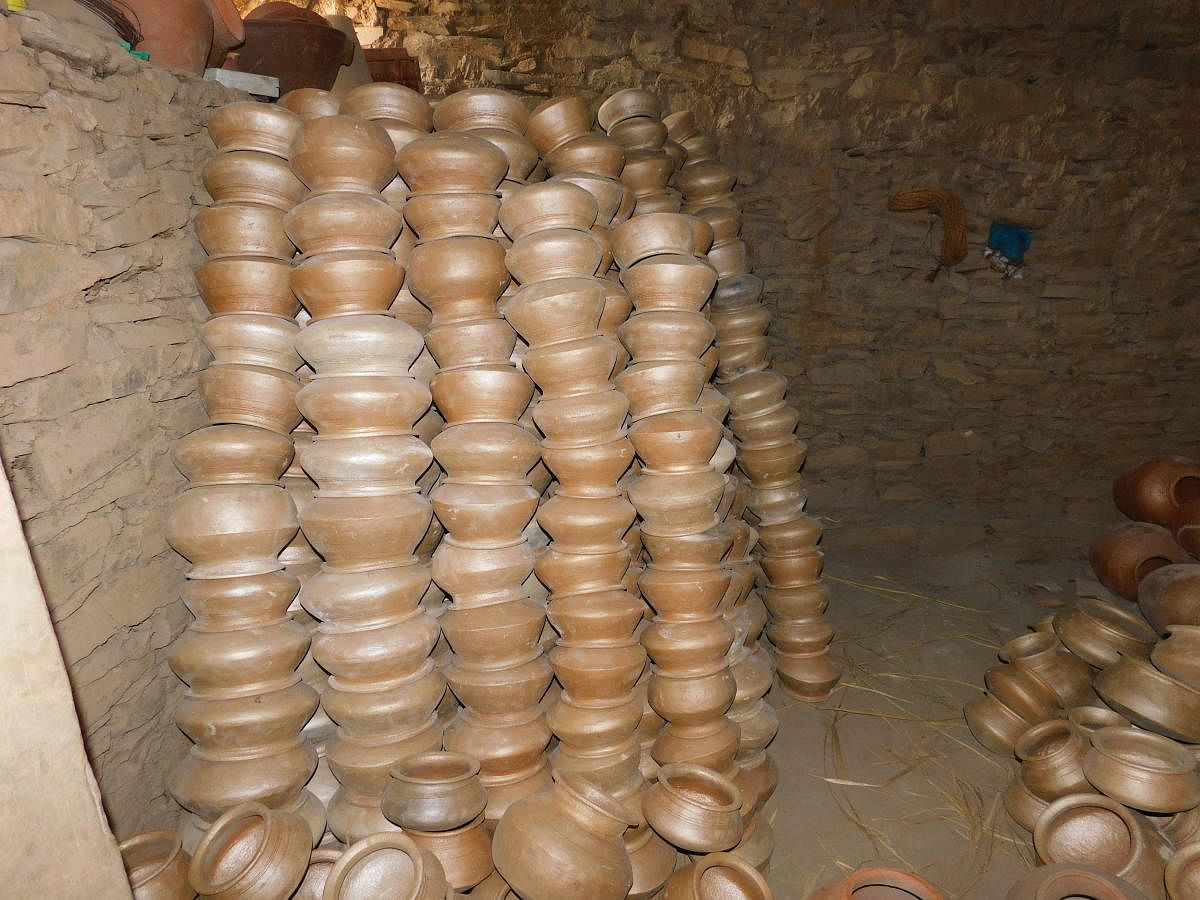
(659, 387)
(995, 725)
(610, 615)
(1022, 805)
(607, 192)
(309, 103)
(590, 470)
(252, 284)
(594, 725)
(718, 875)
(343, 220)
(655, 234)
(681, 124)
(482, 394)
(1179, 655)
(562, 309)
(244, 176)
(360, 532)
(566, 571)
(554, 253)
(1128, 553)
(594, 153)
(385, 100)
(1171, 596)
(359, 345)
(801, 635)
(694, 698)
(458, 278)
(361, 761)
(513, 688)
(522, 156)
(1155, 490)
(343, 153)
(481, 108)
(467, 573)
(1090, 719)
(252, 339)
(677, 502)
(558, 120)
(230, 603)
(494, 636)
(484, 515)
(771, 464)
(465, 853)
(231, 529)
(700, 148)
(565, 842)
(884, 883)
(248, 125)
(653, 861)
(441, 163)
(666, 334)
(1063, 881)
(627, 104)
(347, 282)
(250, 229)
(1183, 873)
(1151, 699)
(678, 594)
(581, 420)
(434, 216)
(363, 651)
(695, 808)
(597, 674)
(702, 550)
(551, 204)
(1068, 675)
(320, 864)
(504, 744)
(639, 133)
(1143, 770)
(387, 863)
(712, 744)
(592, 524)
(371, 595)
(232, 454)
(692, 645)
(1051, 755)
(363, 405)
(676, 441)
(646, 173)
(1023, 691)
(249, 852)
(766, 427)
(780, 503)
(609, 768)
(486, 451)
(569, 368)
(157, 866)
(1099, 632)
(671, 281)
(725, 221)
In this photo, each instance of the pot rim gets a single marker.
(709, 777)
(359, 850)
(593, 796)
(147, 838)
(248, 810)
(1137, 841)
(1107, 742)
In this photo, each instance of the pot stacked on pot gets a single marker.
(485, 501)
(633, 119)
(245, 705)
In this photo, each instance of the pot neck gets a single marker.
(590, 808)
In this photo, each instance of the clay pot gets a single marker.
(1177, 655)
(248, 125)
(252, 339)
(1130, 552)
(504, 744)
(232, 454)
(343, 153)
(466, 572)
(676, 441)
(441, 163)
(554, 253)
(692, 699)
(458, 278)
(589, 471)
(179, 39)
(1155, 490)
(995, 725)
(756, 393)
(659, 387)
(881, 882)
(1151, 699)
(465, 853)
(402, 704)
(703, 550)
(599, 616)
(511, 687)
(1094, 830)
(1022, 804)
(607, 192)
(251, 284)
(1051, 755)
(436, 791)
(157, 866)
(593, 524)
(766, 427)
(522, 156)
(1143, 770)
(494, 636)
(652, 235)
(587, 726)
(712, 744)
(569, 368)
(361, 761)
(795, 535)
(565, 842)
(310, 103)
(1068, 675)
(358, 652)
(347, 282)
(666, 334)
(481, 108)
(677, 502)
(627, 104)
(343, 220)
(718, 875)
(801, 635)
(251, 229)
(1022, 691)
(646, 173)
(235, 529)
(671, 282)
(653, 860)
(551, 204)
(388, 863)
(363, 405)
(581, 420)
(1183, 873)
(639, 133)
(471, 343)
(486, 451)
(565, 571)
(695, 808)
(592, 153)
(1089, 719)
(1063, 881)
(484, 515)
(598, 674)
(767, 465)
(385, 100)
(320, 864)
(493, 888)
(452, 214)
(1171, 596)
(361, 532)
(1099, 632)
(359, 345)
(689, 646)
(483, 394)
(251, 851)
(678, 594)
(556, 121)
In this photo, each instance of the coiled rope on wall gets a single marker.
(953, 215)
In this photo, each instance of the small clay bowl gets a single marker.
(481, 108)
(607, 192)
(483, 394)
(521, 154)
(581, 420)
(385, 100)
(343, 153)
(666, 334)
(994, 725)
(554, 253)
(595, 674)
(594, 153)
(1143, 770)
(626, 104)
(249, 229)
(471, 343)
(451, 162)
(249, 125)
(695, 808)
(309, 103)
(1100, 632)
(561, 309)
(347, 282)
(1151, 699)
(655, 234)
(554, 122)
(661, 386)
(253, 339)
(251, 284)
(551, 204)
(639, 133)
(670, 281)
(676, 441)
(243, 176)
(452, 214)
(486, 451)
(359, 345)
(646, 173)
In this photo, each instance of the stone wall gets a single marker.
(1076, 119)
(99, 351)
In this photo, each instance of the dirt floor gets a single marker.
(885, 769)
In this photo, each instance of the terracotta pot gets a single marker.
(559, 310)
(611, 768)
(401, 705)
(1099, 632)
(522, 156)
(495, 635)
(434, 216)
(1143, 770)
(545, 206)
(1183, 873)
(465, 853)
(995, 725)
(1155, 490)
(694, 698)
(768, 426)
(774, 505)
(342, 407)
(1022, 805)
(598, 674)
(343, 220)
(756, 393)
(483, 394)
(358, 652)
(481, 108)
(1051, 755)
(669, 282)
(589, 471)
(236, 529)
(436, 791)
(346, 282)
(251, 284)
(594, 153)
(386, 862)
(678, 594)
(661, 386)
(251, 851)
(251, 229)
(1023, 691)
(876, 881)
(627, 104)
(581, 420)
(677, 502)
(1094, 830)
(1066, 880)
(449, 162)
(793, 570)
(700, 148)
(248, 125)
(1177, 655)
(320, 864)
(695, 808)
(594, 725)
(362, 761)
(484, 515)
(666, 334)
(503, 687)
(565, 842)
(639, 133)
(703, 550)
(486, 451)
(362, 532)
(1068, 675)
(554, 253)
(772, 464)
(157, 866)
(1089, 719)
(693, 645)
(343, 153)
(592, 524)
(680, 124)
(655, 234)
(467, 573)
(503, 744)
(232, 454)
(228, 603)
(180, 39)
(607, 192)
(646, 173)
(1187, 529)
(676, 441)
(565, 571)
(458, 278)
(1130, 552)
(810, 634)
(310, 103)
(1171, 596)
(718, 875)
(1151, 699)
(252, 339)
(359, 345)
(556, 121)
(653, 860)
(712, 744)
(570, 368)
(385, 100)
(725, 221)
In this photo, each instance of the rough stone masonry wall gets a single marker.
(99, 351)
(1076, 118)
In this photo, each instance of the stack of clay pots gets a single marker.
(367, 514)
(245, 705)
(485, 500)
(763, 423)
(633, 119)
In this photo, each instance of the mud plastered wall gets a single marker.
(99, 353)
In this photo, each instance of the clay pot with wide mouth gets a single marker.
(559, 310)
(800, 635)
(700, 148)
(1023, 691)
(310, 103)
(232, 454)
(1128, 553)
(435, 791)
(691, 645)
(772, 464)
(670, 282)
(486, 451)
(666, 334)
(484, 514)
(1151, 699)
(594, 725)
(1171, 596)
(566, 571)
(695, 808)
(592, 524)
(1143, 770)
(483, 394)
(363, 405)
(756, 393)
(361, 761)
(494, 636)
(593, 673)
(387, 861)
(676, 441)
(347, 282)
(320, 864)
(591, 470)
(610, 768)
(1022, 805)
(244, 176)
(248, 125)
(513, 687)
(251, 851)
(597, 616)
(650, 235)
(343, 153)
(677, 502)
(1090, 719)
(1177, 656)
(1068, 675)
(793, 570)
(369, 464)
(232, 529)
(247, 284)
(465, 852)
(881, 882)
(569, 368)
(646, 173)
(481, 342)
(359, 345)
(1183, 873)
(1094, 830)
(504, 744)
(678, 594)
(774, 505)
(741, 324)
(726, 223)
(360, 652)
(693, 698)
(253, 339)
(556, 121)
(657, 387)
(469, 574)
(607, 192)
(458, 278)
(157, 866)
(449, 162)
(995, 725)
(361, 532)
(481, 108)
(639, 133)
(795, 535)
(551, 204)
(1052, 755)
(434, 216)
(581, 420)
(706, 178)
(1063, 881)
(718, 875)
(1155, 490)
(1099, 632)
(627, 104)
(385, 100)
(343, 220)
(594, 153)
(243, 229)
(554, 253)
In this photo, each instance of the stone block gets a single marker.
(885, 87)
(22, 80)
(89, 443)
(40, 341)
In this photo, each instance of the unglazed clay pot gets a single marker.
(1090, 719)
(1099, 632)
(1051, 755)
(384, 100)
(522, 156)
(248, 125)
(465, 853)
(386, 864)
(1068, 675)
(471, 343)
(581, 420)
(251, 229)
(718, 875)
(367, 531)
(554, 253)
(257, 284)
(646, 173)
(712, 744)
(363, 405)
(695, 808)
(772, 464)
(688, 646)
(309, 103)
(343, 153)
(320, 864)
(666, 334)
(468, 574)
(504, 743)
(232, 454)
(1130, 552)
(593, 524)
(608, 192)
(458, 278)
(639, 133)
(486, 451)
(684, 593)
(1178, 655)
(251, 852)
(649, 235)
(594, 725)
(343, 220)
(594, 153)
(250, 395)
(232, 529)
(1183, 873)
(436, 791)
(1143, 770)
(995, 725)
(252, 339)
(1097, 831)
(482, 394)
(565, 842)
(481, 108)
(692, 699)
(512, 686)
(880, 882)
(564, 570)
(677, 502)
(157, 866)
(1023, 691)
(1151, 699)
(1155, 490)
(598, 674)
(556, 121)
(347, 282)
(1064, 881)
(244, 176)
(452, 214)
(562, 309)
(1024, 806)
(677, 441)
(661, 386)
(496, 635)
(484, 515)
(551, 204)
(359, 345)
(451, 162)
(702, 550)
(1171, 596)
(568, 368)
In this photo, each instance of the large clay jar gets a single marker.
(251, 852)
(565, 842)
(1128, 553)
(1155, 490)
(880, 882)
(1171, 596)
(387, 864)
(157, 866)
